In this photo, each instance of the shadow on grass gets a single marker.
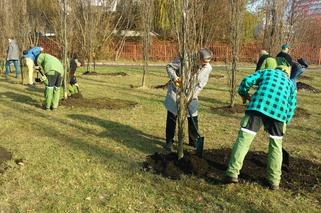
(19, 98)
(124, 134)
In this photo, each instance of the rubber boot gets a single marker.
(56, 97)
(274, 166)
(48, 97)
(239, 151)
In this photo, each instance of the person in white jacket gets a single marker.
(171, 101)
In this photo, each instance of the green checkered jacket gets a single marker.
(275, 95)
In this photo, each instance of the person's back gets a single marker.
(49, 63)
(275, 95)
(268, 63)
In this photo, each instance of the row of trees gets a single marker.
(87, 26)
(92, 24)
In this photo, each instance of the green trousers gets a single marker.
(242, 146)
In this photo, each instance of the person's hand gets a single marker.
(177, 82)
(43, 78)
(37, 68)
(246, 98)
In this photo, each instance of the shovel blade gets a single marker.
(200, 146)
(286, 157)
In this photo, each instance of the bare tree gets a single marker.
(148, 20)
(187, 22)
(237, 8)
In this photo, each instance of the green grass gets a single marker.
(81, 160)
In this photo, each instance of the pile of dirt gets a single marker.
(301, 113)
(300, 175)
(238, 108)
(77, 100)
(4, 156)
(306, 87)
(110, 74)
(216, 76)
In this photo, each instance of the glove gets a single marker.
(43, 78)
(177, 82)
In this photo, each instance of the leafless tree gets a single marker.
(187, 22)
(237, 8)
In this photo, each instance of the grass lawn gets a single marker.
(89, 160)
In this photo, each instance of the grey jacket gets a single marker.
(13, 51)
(171, 100)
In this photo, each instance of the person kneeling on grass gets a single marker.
(171, 101)
(272, 105)
(53, 75)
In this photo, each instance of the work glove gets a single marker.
(43, 78)
(178, 82)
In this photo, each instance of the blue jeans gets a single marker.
(16, 66)
(295, 75)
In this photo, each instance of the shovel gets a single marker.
(200, 140)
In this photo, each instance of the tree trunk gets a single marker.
(65, 50)
(237, 8)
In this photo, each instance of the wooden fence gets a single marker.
(167, 51)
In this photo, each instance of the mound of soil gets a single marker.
(77, 100)
(216, 76)
(300, 175)
(110, 74)
(238, 108)
(4, 156)
(300, 112)
(306, 87)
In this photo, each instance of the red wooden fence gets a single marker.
(166, 51)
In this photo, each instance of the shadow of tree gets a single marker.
(122, 133)
(19, 98)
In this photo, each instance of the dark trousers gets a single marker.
(255, 120)
(171, 126)
(54, 80)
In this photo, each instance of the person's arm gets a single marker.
(291, 105)
(248, 82)
(40, 61)
(203, 77)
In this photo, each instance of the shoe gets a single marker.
(228, 180)
(169, 147)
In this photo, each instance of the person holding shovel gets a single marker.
(171, 101)
(272, 105)
(52, 74)
(30, 56)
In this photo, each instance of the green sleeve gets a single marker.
(248, 82)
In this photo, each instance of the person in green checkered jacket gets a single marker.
(272, 105)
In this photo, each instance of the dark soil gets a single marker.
(238, 108)
(4, 156)
(300, 175)
(110, 74)
(217, 76)
(301, 113)
(306, 87)
(77, 100)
